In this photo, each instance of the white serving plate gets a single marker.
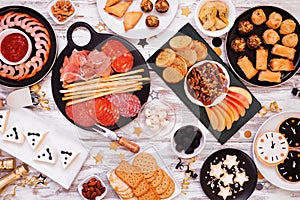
(269, 172)
(154, 152)
(140, 31)
(57, 137)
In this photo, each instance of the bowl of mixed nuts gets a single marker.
(206, 83)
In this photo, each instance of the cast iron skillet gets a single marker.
(245, 162)
(259, 30)
(52, 55)
(96, 42)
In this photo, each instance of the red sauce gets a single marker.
(14, 47)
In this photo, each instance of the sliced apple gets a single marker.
(241, 109)
(228, 110)
(242, 91)
(214, 122)
(221, 118)
(224, 116)
(231, 106)
(239, 97)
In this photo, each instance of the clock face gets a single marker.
(290, 129)
(271, 148)
(290, 168)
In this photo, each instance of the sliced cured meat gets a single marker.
(97, 63)
(123, 63)
(128, 104)
(77, 112)
(114, 49)
(103, 111)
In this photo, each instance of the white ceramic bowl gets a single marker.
(7, 32)
(198, 150)
(217, 33)
(218, 99)
(55, 19)
(80, 186)
(162, 109)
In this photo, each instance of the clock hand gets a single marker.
(272, 145)
(294, 164)
(293, 130)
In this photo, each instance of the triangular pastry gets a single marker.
(67, 156)
(14, 134)
(118, 9)
(111, 2)
(46, 155)
(35, 138)
(3, 120)
(131, 19)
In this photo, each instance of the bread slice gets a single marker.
(180, 64)
(181, 42)
(165, 58)
(131, 19)
(200, 49)
(172, 75)
(118, 9)
(189, 55)
(111, 2)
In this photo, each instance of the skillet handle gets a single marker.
(131, 146)
(77, 25)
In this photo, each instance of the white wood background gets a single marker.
(87, 12)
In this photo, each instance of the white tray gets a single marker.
(57, 137)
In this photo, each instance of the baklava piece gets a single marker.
(253, 42)
(162, 6)
(238, 45)
(152, 21)
(244, 27)
(146, 5)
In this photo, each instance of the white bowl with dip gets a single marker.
(219, 98)
(14, 37)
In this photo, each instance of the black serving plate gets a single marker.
(259, 30)
(199, 111)
(211, 185)
(96, 42)
(53, 50)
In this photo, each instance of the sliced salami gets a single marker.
(123, 63)
(78, 114)
(128, 104)
(103, 111)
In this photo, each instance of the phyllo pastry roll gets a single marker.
(247, 67)
(281, 64)
(261, 59)
(290, 40)
(283, 51)
(269, 76)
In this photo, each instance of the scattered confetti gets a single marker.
(42, 179)
(247, 134)
(179, 164)
(114, 146)
(218, 51)
(143, 42)
(259, 186)
(122, 156)
(101, 27)
(217, 42)
(273, 107)
(137, 131)
(259, 175)
(154, 94)
(185, 11)
(39, 97)
(263, 111)
(98, 158)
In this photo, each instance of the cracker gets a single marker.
(116, 183)
(131, 175)
(146, 162)
(141, 189)
(149, 195)
(150, 179)
(158, 179)
(169, 191)
(161, 188)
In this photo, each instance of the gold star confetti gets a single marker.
(218, 51)
(98, 158)
(101, 27)
(137, 131)
(273, 107)
(185, 11)
(114, 146)
(122, 156)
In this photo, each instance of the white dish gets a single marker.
(140, 31)
(57, 137)
(7, 32)
(160, 162)
(269, 172)
(54, 18)
(218, 99)
(217, 33)
(80, 186)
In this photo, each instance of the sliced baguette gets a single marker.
(131, 19)
(165, 58)
(189, 55)
(180, 64)
(181, 42)
(200, 49)
(172, 75)
(119, 9)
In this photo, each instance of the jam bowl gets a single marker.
(15, 46)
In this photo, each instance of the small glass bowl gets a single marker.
(7, 32)
(197, 150)
(86, 180)
(54, 18)
(156, 117)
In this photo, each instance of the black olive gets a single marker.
(198, 135)
(195, 143)
(187, 142)
(179, 147)
(190, 150)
